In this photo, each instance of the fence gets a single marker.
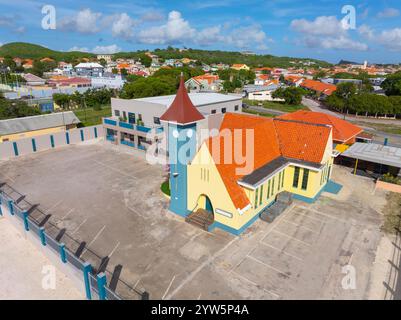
(11, 149)
(71, 251)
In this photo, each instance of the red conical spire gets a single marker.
(182, 110)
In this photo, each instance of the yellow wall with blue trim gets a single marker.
(205, 179)
(29, 134)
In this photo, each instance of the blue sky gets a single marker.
(315, 29)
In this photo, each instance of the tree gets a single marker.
(334, 102)
(63, 100)
(147, 87)
(392, 84)
(319, 75)
(10, 109)
(291, 95)
(145, 60)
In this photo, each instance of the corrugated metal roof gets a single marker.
(33, 123)
(375, 153)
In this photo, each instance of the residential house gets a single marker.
(206, 82)
(240, 66)
(89, 69)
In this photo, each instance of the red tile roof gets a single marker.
(343, 131)
(318, 86)
(272, 138)
(182, 110)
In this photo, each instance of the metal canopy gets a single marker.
(375, 153)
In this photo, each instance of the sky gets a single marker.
(330, 30)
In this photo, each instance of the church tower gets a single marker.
(181, 117)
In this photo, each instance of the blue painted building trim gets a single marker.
(52, 141)
(87, 269)
(1, 210)
(11, 207)
(237, 232)
(33, 145)
(126, 125)
(110, 122)
(82, 135)
(110, 138)
(95, 132)
(128, 143)
(42, 236)
(309, 200)
(67, 137)
(25, 217)
(15, 146)
(101, 283)
(62, 253)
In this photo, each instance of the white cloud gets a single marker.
(390, 39)
(246, 37)
(321, 26)
(326, 32)
(388, 13)
(85, 21)
(80, 49)
(209, 36)
(111, 49)
(106, 49)
(176, 30)
(122, 26)
(152, 16)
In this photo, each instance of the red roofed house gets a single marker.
(320, 88)
(343, 131)
(206, 82)
(231, 178)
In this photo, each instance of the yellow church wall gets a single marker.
(204, 179)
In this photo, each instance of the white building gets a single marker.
(116, 82)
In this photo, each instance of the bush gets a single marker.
(390, 179)
(165, 188)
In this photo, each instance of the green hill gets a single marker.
(33, 51)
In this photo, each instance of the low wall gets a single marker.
(388, 186)
(12, 149)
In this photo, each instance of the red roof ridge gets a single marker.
(182, 110)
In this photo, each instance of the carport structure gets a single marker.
(379, 159)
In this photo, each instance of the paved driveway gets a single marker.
(112, 200)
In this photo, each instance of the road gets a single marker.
(315, 106)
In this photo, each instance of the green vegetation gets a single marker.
(392, 214)
(234, 79)
(348, 97)
(165, 188)
(258, 113)
(10, 109)
(383, 127)
(92, 117)
(280, 106)
(163, 82)
(33, 51)
(391, 179)
(92, 98)
(392, 84)
(291, 95)
(226, 57)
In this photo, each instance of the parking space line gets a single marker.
(93, 240)
(68, 213)
(269, 266)
(168, 288)
(253, 283)
(200, 267)
(286, 235)
(53, 207)
(282, 251)
(114, 169)
(324, 214)
(299, 225)
(114, 249)
(308, 216)
(80, 225)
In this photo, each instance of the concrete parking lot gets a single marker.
(112, 200)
